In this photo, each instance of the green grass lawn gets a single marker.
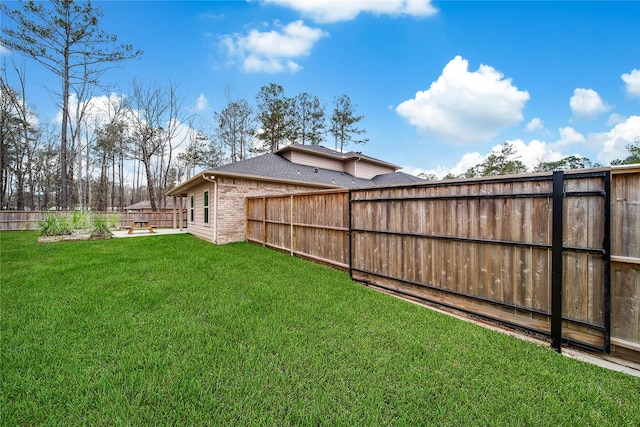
(172, 330)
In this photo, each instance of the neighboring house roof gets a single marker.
(395, 178)
(146, 204)
(275, 167)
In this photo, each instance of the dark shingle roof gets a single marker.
(395, 178)
(272, 165)
(146, 204)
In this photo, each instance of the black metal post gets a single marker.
(556, 261)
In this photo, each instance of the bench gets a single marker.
(142, 223)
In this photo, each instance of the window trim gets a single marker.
(192, 216)
(205, 203)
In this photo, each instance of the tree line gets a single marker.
(131, 147)
(241, 130)
(506, 161)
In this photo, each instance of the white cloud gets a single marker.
(98, 110)
(209, 16)
(272, 51)
(615, 119)
(4, 50)
(534, 125)
(463, 106)
(568, 136)
(532, 153)
(202, 103)
(328, 11)
(632, 81)
(439, 171)
(612, 144)
(586, 103)
(467, 161)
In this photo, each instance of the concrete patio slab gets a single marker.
(143, 232)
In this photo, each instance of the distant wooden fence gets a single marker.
(28, 220)
(555, 254)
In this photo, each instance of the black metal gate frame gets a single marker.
(557, 248)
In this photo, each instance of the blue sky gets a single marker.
(440, 83)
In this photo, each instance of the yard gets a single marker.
(172, 330)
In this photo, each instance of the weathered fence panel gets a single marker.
(485, 247)
(625, 259)
(29, 220)
(310, 225)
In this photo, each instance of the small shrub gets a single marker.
(113, 220)
(48, 226)
(65, 224)
(55, 224)
(100, 225)
(80, 220)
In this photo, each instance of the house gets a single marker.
(216, 209)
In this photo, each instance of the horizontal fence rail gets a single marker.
(29, 220)
(488, 247)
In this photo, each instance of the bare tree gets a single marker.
(173, 138)
(9, 138)
(109, 138)
(64, 36)
(46, 170)
(234, 127)
(78, 127)
(199, 152)
(155, 114)
(18, 138)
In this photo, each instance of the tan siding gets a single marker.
(314, 161)
(198, 227)
(366, 170)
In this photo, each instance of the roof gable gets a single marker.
(354, 163)
(276, 167)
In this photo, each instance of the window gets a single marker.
(206, 207)
(192, 207)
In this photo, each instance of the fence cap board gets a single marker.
(634, 168)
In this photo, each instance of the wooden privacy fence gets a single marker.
(28, 220)
(555, 254)
(312, 225)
